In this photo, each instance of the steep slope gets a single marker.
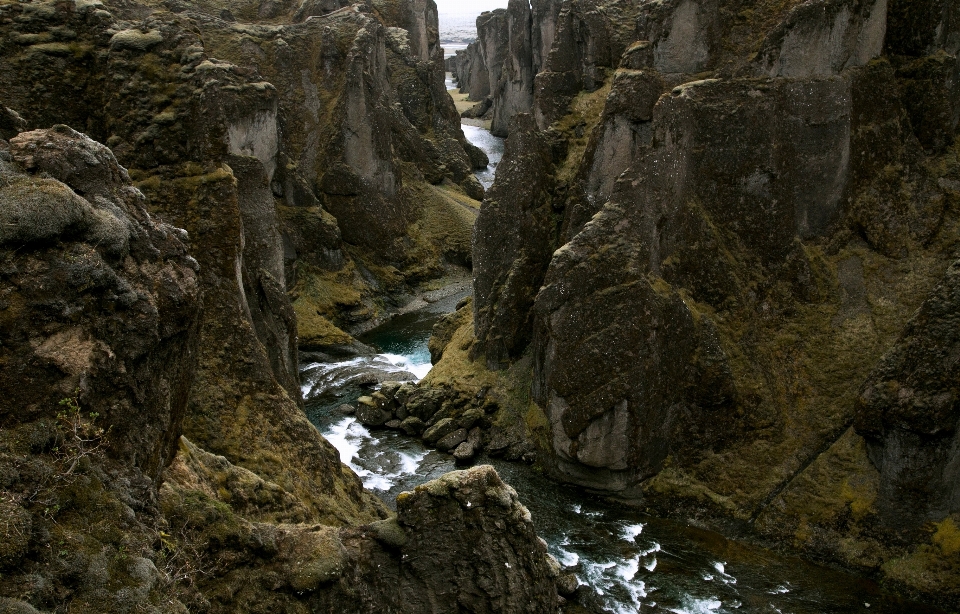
(252, 509)
(731, 213)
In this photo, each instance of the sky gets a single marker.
(469, 6)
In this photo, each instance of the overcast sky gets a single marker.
(469, 6)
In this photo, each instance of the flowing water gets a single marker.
(492, 145)
(629, 562)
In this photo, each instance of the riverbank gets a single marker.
(624, 561)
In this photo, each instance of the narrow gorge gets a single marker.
(286, 325)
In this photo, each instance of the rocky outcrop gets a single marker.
(823, 38)
(460, 543)
(514, 91)
(102, 339)
(741, 212)
(509, 267)
(590, 38)
(908, 413)
(100, 311)
(511, 48)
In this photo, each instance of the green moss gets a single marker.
(947, 537)
(538, 427)
(672, 484)
(327, 293)
(316, 330)
(586, 111)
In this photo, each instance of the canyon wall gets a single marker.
(265, 172)
(512, 46)
(730, 276)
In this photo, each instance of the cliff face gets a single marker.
(730, 217)
(99, 345)
(110, 356)
(511, 48)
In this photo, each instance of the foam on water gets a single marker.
(420, 369)
(349, 436)
(654, 548)
(724, 576)
(567, 558)
(698, 606)
(630, 532)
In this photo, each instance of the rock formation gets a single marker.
(155, 454)
(730, 270)
(511, 48)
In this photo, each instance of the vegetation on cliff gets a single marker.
(155, 455)
(736, 224)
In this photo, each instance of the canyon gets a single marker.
(715, 279)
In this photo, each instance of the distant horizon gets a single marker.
(468, 7)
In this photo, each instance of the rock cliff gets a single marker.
(729, 284)
(512, 46)
(314, 160)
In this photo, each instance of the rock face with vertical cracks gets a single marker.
(511, 48)
(472, 511)
(514, 92)
(909, 408)
(509, 267)
(745, 209)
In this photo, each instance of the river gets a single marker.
(627, 562)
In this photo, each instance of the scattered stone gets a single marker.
(413, 426)
(567, 584)
(452, 440)
(393, 424)
(390, 389)
(424, 403)
(346, 410)
(381, 401)
(470, 418)
(464, 452)
(439, 430)
(403, 393)
(369, 414)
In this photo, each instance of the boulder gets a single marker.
(464, 452)
(369, 413)
(451, 440)
(439, 430)
(413, 426)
